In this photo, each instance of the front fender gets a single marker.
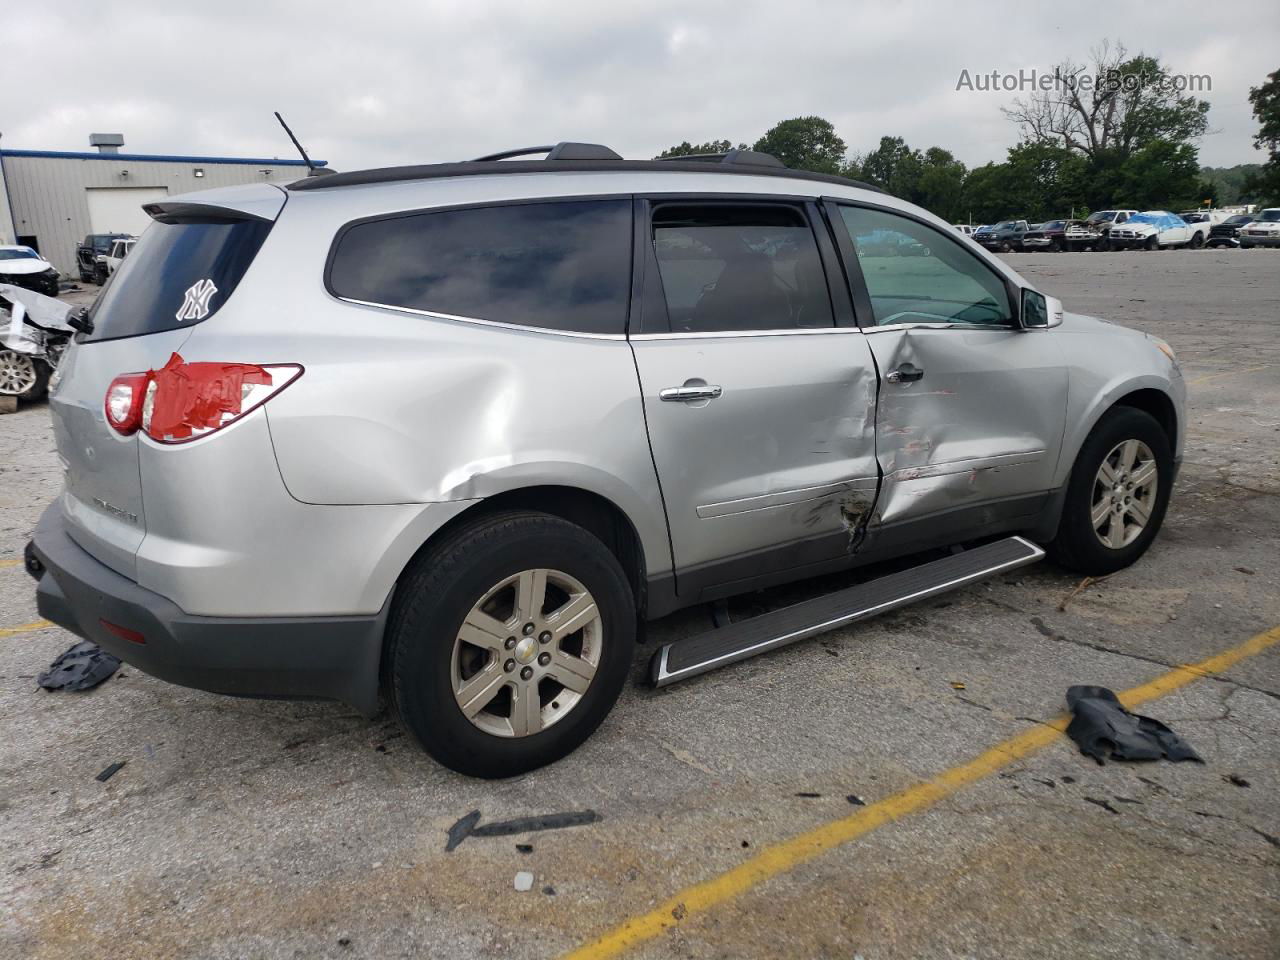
(1091, 395)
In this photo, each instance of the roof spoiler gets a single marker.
(181, 211)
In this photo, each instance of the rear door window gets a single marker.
(562, 265)
(176, 275)
(727, 268)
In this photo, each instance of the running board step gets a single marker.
(738, 641)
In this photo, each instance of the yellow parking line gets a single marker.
(24, 628)
(10, 561)
(789, 854)
(1228, 373)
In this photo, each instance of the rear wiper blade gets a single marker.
(78, 319)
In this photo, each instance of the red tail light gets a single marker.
(184, 401)
(123, 402)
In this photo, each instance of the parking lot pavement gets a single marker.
(269, 829)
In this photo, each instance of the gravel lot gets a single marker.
(267, 829)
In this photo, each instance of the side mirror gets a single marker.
(1039, 311)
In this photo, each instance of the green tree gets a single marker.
(1264, 185)
(1164, 176)
(1112, 107)
(805, 143)
(940, 186)
(687, 149)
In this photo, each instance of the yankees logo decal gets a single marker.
(195, 303)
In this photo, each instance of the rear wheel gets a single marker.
(1197, 240)
(509, 643)
(1117, 495)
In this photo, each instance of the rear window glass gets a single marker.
(564, 265)
(176, 275)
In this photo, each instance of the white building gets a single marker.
(50, 200)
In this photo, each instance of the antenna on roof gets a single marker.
(305, 159)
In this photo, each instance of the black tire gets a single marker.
(1197, 240)
(1151, 244)
(1005, 248)
(100, 274)
(1076, 546)
(1102, 246)
(437, 593)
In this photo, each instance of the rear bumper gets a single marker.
(333, 658)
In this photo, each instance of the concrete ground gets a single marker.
(265, 829)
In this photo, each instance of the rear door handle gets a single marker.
(906, 373)
(687, 394)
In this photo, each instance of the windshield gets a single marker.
(1052, 225)
(1240, 218)
(1101, 215)
(1270, 215)
(1006, 224)
(1153, 218)
(19, 253)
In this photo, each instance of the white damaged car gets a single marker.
(1153, 230)
(23, 267)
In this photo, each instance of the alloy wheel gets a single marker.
(1124, 494)
(17, 373)
(526, 653)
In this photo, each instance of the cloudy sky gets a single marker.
(373, 82)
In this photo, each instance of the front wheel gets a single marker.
(1152, 244)
(1117, 495)
(509, 643)
(22, 375)
(1197, 241)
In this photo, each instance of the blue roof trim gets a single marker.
(157, 157)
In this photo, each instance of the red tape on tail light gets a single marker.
(197, 396)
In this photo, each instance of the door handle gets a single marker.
(906, 373)
(688, 394)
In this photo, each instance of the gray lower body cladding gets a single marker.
(287, 657)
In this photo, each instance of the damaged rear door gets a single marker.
(972, 407)
(759, 390)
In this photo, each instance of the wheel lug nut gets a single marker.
(544, 658)
(509, 666)
(510, 643)
(545, 637)
(526, 673)
(528, 629)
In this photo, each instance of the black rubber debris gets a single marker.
(461, 830)
(110, 772)
(1102, 728)
(525, 847)
(82, 667)
(550, 821)
(470, 826)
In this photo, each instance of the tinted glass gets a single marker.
(726, 268)
(563, 265)
(172, 260)
(18, 253)
(915, 274)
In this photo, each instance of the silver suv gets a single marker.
(449, 434)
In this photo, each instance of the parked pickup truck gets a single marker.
(95, 245)
(1004, 236)
(1158, 229)
(1103, 221)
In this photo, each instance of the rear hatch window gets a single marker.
(177, 275)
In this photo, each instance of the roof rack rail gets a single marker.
(753, 157)
(565, 150)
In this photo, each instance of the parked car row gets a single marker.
(1131, 230)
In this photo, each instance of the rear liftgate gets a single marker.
(738, 641)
